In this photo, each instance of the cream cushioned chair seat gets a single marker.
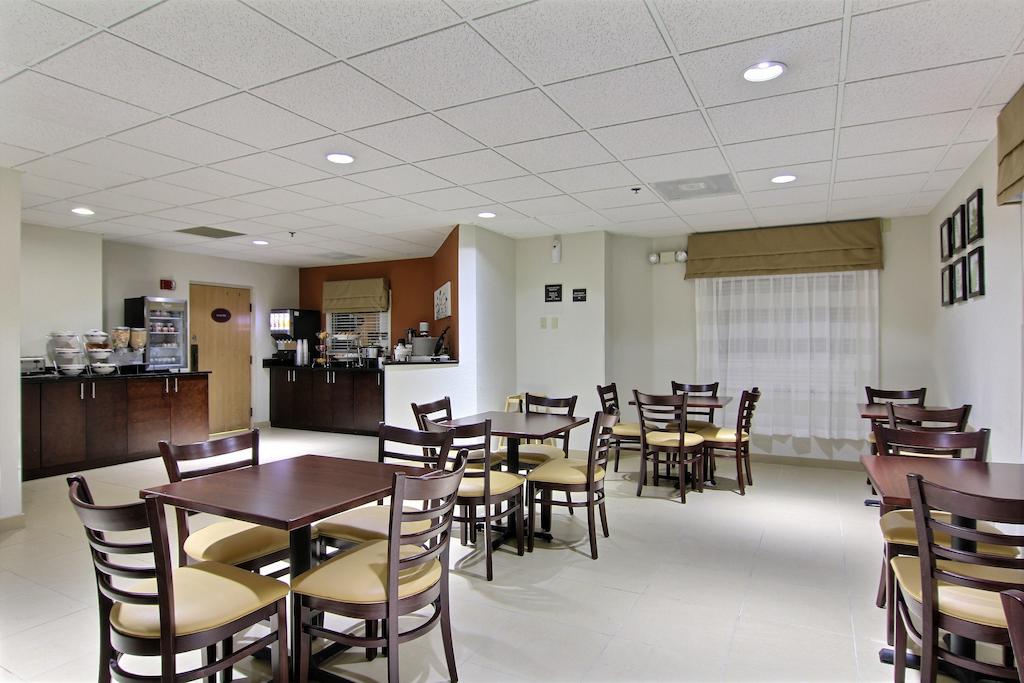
(363, 524)
(537, 453)
(234, 542)
(871, 437)
(501, 482)
(360, 575)
(697, 425)
(970, 604)
(627, 429)
(206, 595)
(564, 471)
(898, 527)
(721, 435)
(672, 439)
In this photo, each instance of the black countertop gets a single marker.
(99, 378)
(401, 363)
(274, 363)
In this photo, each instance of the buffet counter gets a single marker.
(349, 400)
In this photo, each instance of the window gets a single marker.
(358, 329)
(809, 341)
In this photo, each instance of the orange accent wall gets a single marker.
(412, 283)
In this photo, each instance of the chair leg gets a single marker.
(618, 450)
(604, 519)
(568, 499)
(488, 511)
(392, 626)
(472, 523)
(746, 461)
(446, 636)
(106, 649)
(929, 655)
(545, 509)
(279, 655)
(880, 596)
(682, 479)
(739, 474)
(591, 525)
(642, 472)
(899, 652)
(532, 510)
(519, 524)
(371, 632)
(227, 648)
(890, 595)
(209, 657)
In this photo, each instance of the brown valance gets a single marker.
(355, 296)
(1010, 151)
(812, 248)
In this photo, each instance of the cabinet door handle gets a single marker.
(94, 389)
(81, 391)
(378, 379)
(175, 385)
(167, 386)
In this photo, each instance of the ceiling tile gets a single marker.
(39, 112)
(31, 199)
(789, 195)
(219, 39)
(338, 215)
(625, 214)
(473, 167)
(581, 220)
(442, 69)
(111, 229)
(271, 169)
(400, 180)
(64, 207)
(416, 138)
(388, 207)
(52, 188)
(637, 92)
(891, 136)
(502, 120)
(182, 141)
(590, 177)
(334, 191)
(546, 40)
(880, 42)
(547, 206)
(106, 13)
(151, 223)
(615, 196)
(477, 8)
(689, 207)
(676, 133)
(115, 67)
(314, 153)
(721, 220)
(942, 180)
(699, 24)
(448, 199)
(166, 239)
(210, 180)
(11, 155)
(657, 227)
(811, 55)
(426, 238)
(962, 155)
(122, 202)
(283, 200)
(50, 219)
(512, 189)
(792, 149)
(159, 191)
(1007, 83)
(32, 31)
(187, 214)
(232, 208)
(867, 207)
(923, 92)
(891, 164)
(794, 214)
(771, 117)
(981, 126)
(806, 174)
(879, 186)
(698, 163)
(250, 120)
(76, 172)
(366, 25)
(290, 221)
(927, 200)
(111, 154)
(862, 6)
(366, 102)
(557, 153)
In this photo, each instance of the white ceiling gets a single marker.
(167, 115)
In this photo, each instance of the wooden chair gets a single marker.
(927, 420)
(151, 609)
(533, 454)
(734, 443)
(955, 587)
(625, 435)
(1013, 607)
(481, 486)
(664, 440)
(243, 544)
(370, 523)
(697, 418)
(440, 411)
(913, 397)
(381, 580)
(575, 476)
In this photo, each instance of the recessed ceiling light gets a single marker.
(782, 179)
(82, 211)
(338, 158)
(486, 214)
(764, 71)
(260, 243)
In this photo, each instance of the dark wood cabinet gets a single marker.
(340, 415)
(326, 400)
(106, 414)
(302, 398)
(282, 397)
(62, 423)
(190, 410)
(367, 401)
(149, 415)
(30, 446)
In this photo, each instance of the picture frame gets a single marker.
(959, 277)
(947, 285)
(976, 272)
(974, 224)
(957, 228)
(945, 240)
(443, 301)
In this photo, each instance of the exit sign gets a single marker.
(167, 285)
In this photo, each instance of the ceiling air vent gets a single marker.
(695, 188)
(214, 233)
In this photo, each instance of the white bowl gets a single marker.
(66, 352)
(100, 354)
(96, 336)
(72, 370)
(103, 368)
(63, 335)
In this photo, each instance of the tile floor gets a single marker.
(775, 586)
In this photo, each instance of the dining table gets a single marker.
(880, 411)
(703, 402)
(287, 494)
(888, 476)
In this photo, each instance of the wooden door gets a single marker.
(149, 414)
(221, 326)
(62, 423)
(106, 404)
(190, 410)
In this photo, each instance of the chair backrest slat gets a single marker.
(433, 447)
(1013, 607)
(566, 405)
(600, 443)
(660, 413)
(609, 397)
(711, 389)
(745, 412)
(928, 419)
(912, 442)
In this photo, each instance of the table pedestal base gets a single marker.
(887, 656)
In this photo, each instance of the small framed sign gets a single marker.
(946, 239)
(959, 236)
(552, 293)
(579, 294)
(975, 227)
(220, 315)
(947, 285)
(976, 272)
(960, 279)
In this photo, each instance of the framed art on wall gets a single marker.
(976, 272)
(959, 279)
(957, 220)
(947, 285)
(975, 228)
(945, 240)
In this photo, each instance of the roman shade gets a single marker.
(812, 248)
(355, 296)
(1010, 151)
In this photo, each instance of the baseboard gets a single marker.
(11, 523)
(768, 458)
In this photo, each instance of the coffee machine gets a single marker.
(288, 326)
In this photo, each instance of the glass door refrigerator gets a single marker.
(166, 323)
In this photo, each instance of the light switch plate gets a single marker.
(543, 323)
(554, 322)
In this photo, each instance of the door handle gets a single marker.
(167, 386)
(175, 385)
(94, 389)
(81, 391)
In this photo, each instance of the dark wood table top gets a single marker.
(703, 401)
(523, 425)
(888, 474)
(286, 494)
(878, 411)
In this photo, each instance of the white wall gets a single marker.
(976, 345)
(674, 317)
(61, 284)
(629, 316)
(495, 314)
(130, 271)
(10, 313)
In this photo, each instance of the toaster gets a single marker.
(33, 365)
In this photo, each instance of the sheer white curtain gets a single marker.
(810, 342)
